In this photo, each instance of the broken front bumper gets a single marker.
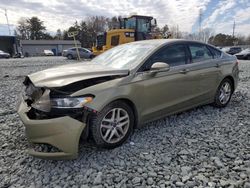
(63, 133)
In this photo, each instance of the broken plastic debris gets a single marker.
(132, 143)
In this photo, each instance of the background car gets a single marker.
(244, 54)
(121, 89)
(4, 54)
(48, 53)
(71, 53)
(234, 50)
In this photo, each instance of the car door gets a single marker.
(85, 53)
(167, 92)
(205, 64)
(73, 52)
(81, 53)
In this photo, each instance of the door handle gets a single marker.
(184, 71)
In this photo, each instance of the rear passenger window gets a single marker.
(199, 53)
(216, 53)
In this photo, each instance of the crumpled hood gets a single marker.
(67, 74)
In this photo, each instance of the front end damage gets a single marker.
(58, 128)
(56, 106)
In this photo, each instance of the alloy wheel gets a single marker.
(225, 92)
(115, 125)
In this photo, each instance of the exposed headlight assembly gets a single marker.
(72, 102)
(45, 103)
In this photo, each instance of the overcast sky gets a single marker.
(216, 14)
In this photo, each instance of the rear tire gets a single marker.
(113, 125)
(223, 93)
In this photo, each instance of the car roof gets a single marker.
(159, 42)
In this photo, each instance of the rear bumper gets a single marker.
(63, 133)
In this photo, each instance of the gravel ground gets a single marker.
(203, 147)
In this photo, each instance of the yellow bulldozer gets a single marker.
(133, 28)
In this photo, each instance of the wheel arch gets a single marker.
(86, 133)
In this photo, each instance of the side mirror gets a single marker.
(159, 67)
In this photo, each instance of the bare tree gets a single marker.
(113, 23)
(206, 34)
(23, 28)
(175, 32)
(248, 40)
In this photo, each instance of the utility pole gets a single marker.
(200, 20)
(234, 40)
(233, 28)
(5, 10)
(177, 34)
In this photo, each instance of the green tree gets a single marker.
(85, 36)
(36, 28)
(46, 36)
(71, 29)
(222, 40)
(88, 29)
(32, 28)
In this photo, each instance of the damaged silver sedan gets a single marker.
(121, 89)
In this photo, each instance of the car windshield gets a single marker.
(126, 56)
(86, 50)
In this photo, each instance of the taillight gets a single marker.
(237, 62)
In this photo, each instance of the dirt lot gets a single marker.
(203, 147)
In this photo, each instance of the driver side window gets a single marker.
(173, 55)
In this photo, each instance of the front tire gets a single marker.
(113, 125)
(223, 93)
(70, 56)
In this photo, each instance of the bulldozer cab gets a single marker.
(142, 26)
(131, 29)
